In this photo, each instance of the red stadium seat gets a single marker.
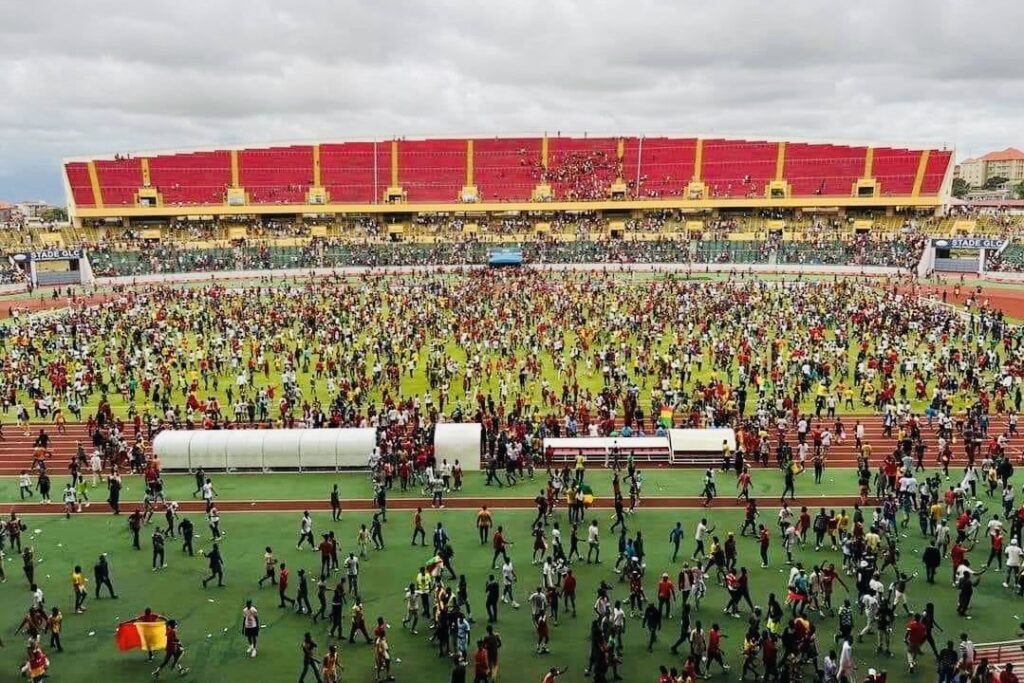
(78, 179)
(355, 171)
(188, 179)
(506, 169)
(432, 170)
(736, 168)
(120, 180)
(896, 169)
(935, 171)
(665, 165)
(278, 175)
(582, 169)
(828, 170)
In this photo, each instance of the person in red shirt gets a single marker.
(1007, 675)
(666, 594)
(481, 664)
(569, 591)
(282, 586)
(552, 675)
(956, 556)
(715, 649)
(498, 542)
(173, 652)
(917, 633)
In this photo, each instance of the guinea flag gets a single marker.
(666, 415)
(142, 635)
(433, 565)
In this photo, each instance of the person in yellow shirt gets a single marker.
(55, 624)
(78, 586)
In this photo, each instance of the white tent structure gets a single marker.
(300, 449)
(265, 449)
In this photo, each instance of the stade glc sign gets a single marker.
(967, 243)
(50, 255)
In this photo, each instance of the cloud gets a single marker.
(103, 76)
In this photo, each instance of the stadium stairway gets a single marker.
(999, 654)
(16, 447)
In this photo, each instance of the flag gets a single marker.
(142, 635)
(433, 565)
(666, 415)
(588, 495)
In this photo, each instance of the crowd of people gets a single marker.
(406, 352)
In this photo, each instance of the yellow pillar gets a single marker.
(922, 165)
(145, 172)
(620, 149)
(234, 168)
(544, 152)
(780, 161)
(394, 163)
(698, 160)
(869, 162)
(94, 180)
(469, 163)
(316, 165)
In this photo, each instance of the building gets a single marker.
(6, 211)
(971, 171)
(33, 208)
(1009, 164)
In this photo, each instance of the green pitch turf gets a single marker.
(767, 484)
(210, 618)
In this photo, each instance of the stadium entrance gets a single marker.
(54, 267)
(961, 254)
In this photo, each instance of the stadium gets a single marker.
(527, 408)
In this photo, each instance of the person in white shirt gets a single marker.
(594, 542)
(847, 665)
(1014, 560)
(250, 626)
(96, 465)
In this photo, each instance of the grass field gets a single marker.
(210, 625)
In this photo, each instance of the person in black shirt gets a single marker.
(491, 593)
(101, 572)
(335, 504)
(217, 567)
(652, 620)
(302, 594)
(186, 531)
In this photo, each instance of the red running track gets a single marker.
(16, 448)
(453, 503)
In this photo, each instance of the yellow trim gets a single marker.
(544, 151)
(394, 163)
(922, 165)
(94, 180)
(698, 160)
(469, 163)
(145, 172)
(620, 148)
(234, 168)
(780, 161)
(869, 162)
(316, 165)
(928, 201)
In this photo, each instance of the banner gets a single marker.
(967, 242)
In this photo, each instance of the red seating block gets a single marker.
(828, 170)
(81, 186)
(190, 179)
(581, 169)
(120, 180)
(665, 165)
(506, 169)
(737, 168)
(355, 172)
(935, 171)
(895, 170)
(432, 170)
(277, 175)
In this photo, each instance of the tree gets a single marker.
(960, 188)
(54, 215)
(1018, 191)
(994, 182)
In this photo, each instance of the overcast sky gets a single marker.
(102, 76)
